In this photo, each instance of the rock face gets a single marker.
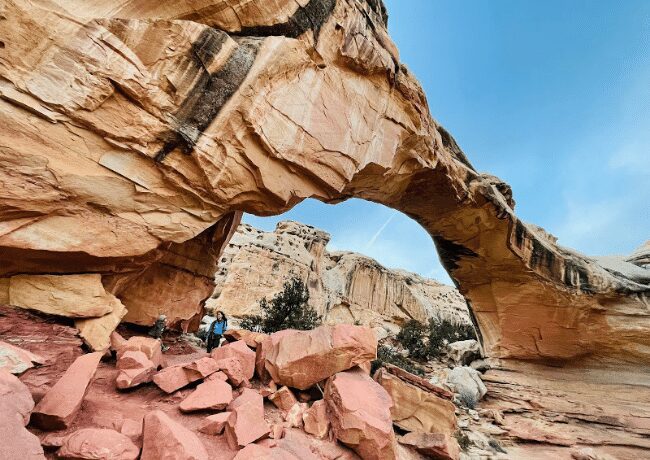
(344, 287)
(416, 406)
(246, 422)
(300, 359)
(134, 135)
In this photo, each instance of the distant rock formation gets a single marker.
(344, 287)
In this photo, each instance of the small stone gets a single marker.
(214, 424)
(294, 416)
(283, 399)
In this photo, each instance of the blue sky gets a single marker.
(553, 97)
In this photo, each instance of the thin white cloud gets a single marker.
(381, 229)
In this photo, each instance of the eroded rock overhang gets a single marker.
(134, 136)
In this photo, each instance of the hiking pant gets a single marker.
(213, 342)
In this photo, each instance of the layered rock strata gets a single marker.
(344, 287)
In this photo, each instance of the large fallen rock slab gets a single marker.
(61, 403)
(359, 411)
(301, 359)
(164, 438)
(16, 404)
(467, 384)
(416, 406)
(72, 296)
(232, 368)
(98, 443)
(433, 445)
(17, 360)
(246, 423)
(240, 351)
(174, 378)
(96, 332)
(213, 394)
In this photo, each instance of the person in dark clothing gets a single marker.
(217, 328)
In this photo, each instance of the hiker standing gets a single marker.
(217, 328)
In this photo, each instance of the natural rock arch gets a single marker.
(135, 135)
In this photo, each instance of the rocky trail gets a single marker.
(303, 395)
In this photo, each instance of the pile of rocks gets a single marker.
(292, 394)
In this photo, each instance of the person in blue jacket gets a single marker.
(217, 328)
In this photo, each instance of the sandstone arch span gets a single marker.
(134, 136)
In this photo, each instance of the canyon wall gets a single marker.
(344, 287)
(134, 134)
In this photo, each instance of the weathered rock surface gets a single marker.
(214, 394)
(240, 351)
(433, 445)
(246, 423)
(315, 419)
(150, 347)
(135, 209)
(300, 359)
(344, 287)
(467, 381)
(283, 399)
(134, 135)
(97, 443)
(464, 352)
(17, 360)
(164, 438)
(359, 411)
(214, 424)
(61, 403)
(16, 404)
(416, 405)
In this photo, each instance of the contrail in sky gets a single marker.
(381, 229)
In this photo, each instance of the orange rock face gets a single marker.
(163, 165)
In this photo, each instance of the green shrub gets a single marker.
(463, 440)
(289, 309)
(389, 355)
(443, 331)
(412, 337)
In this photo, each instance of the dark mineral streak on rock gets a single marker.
(309, 17)
(211, 91)
(450, 252)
